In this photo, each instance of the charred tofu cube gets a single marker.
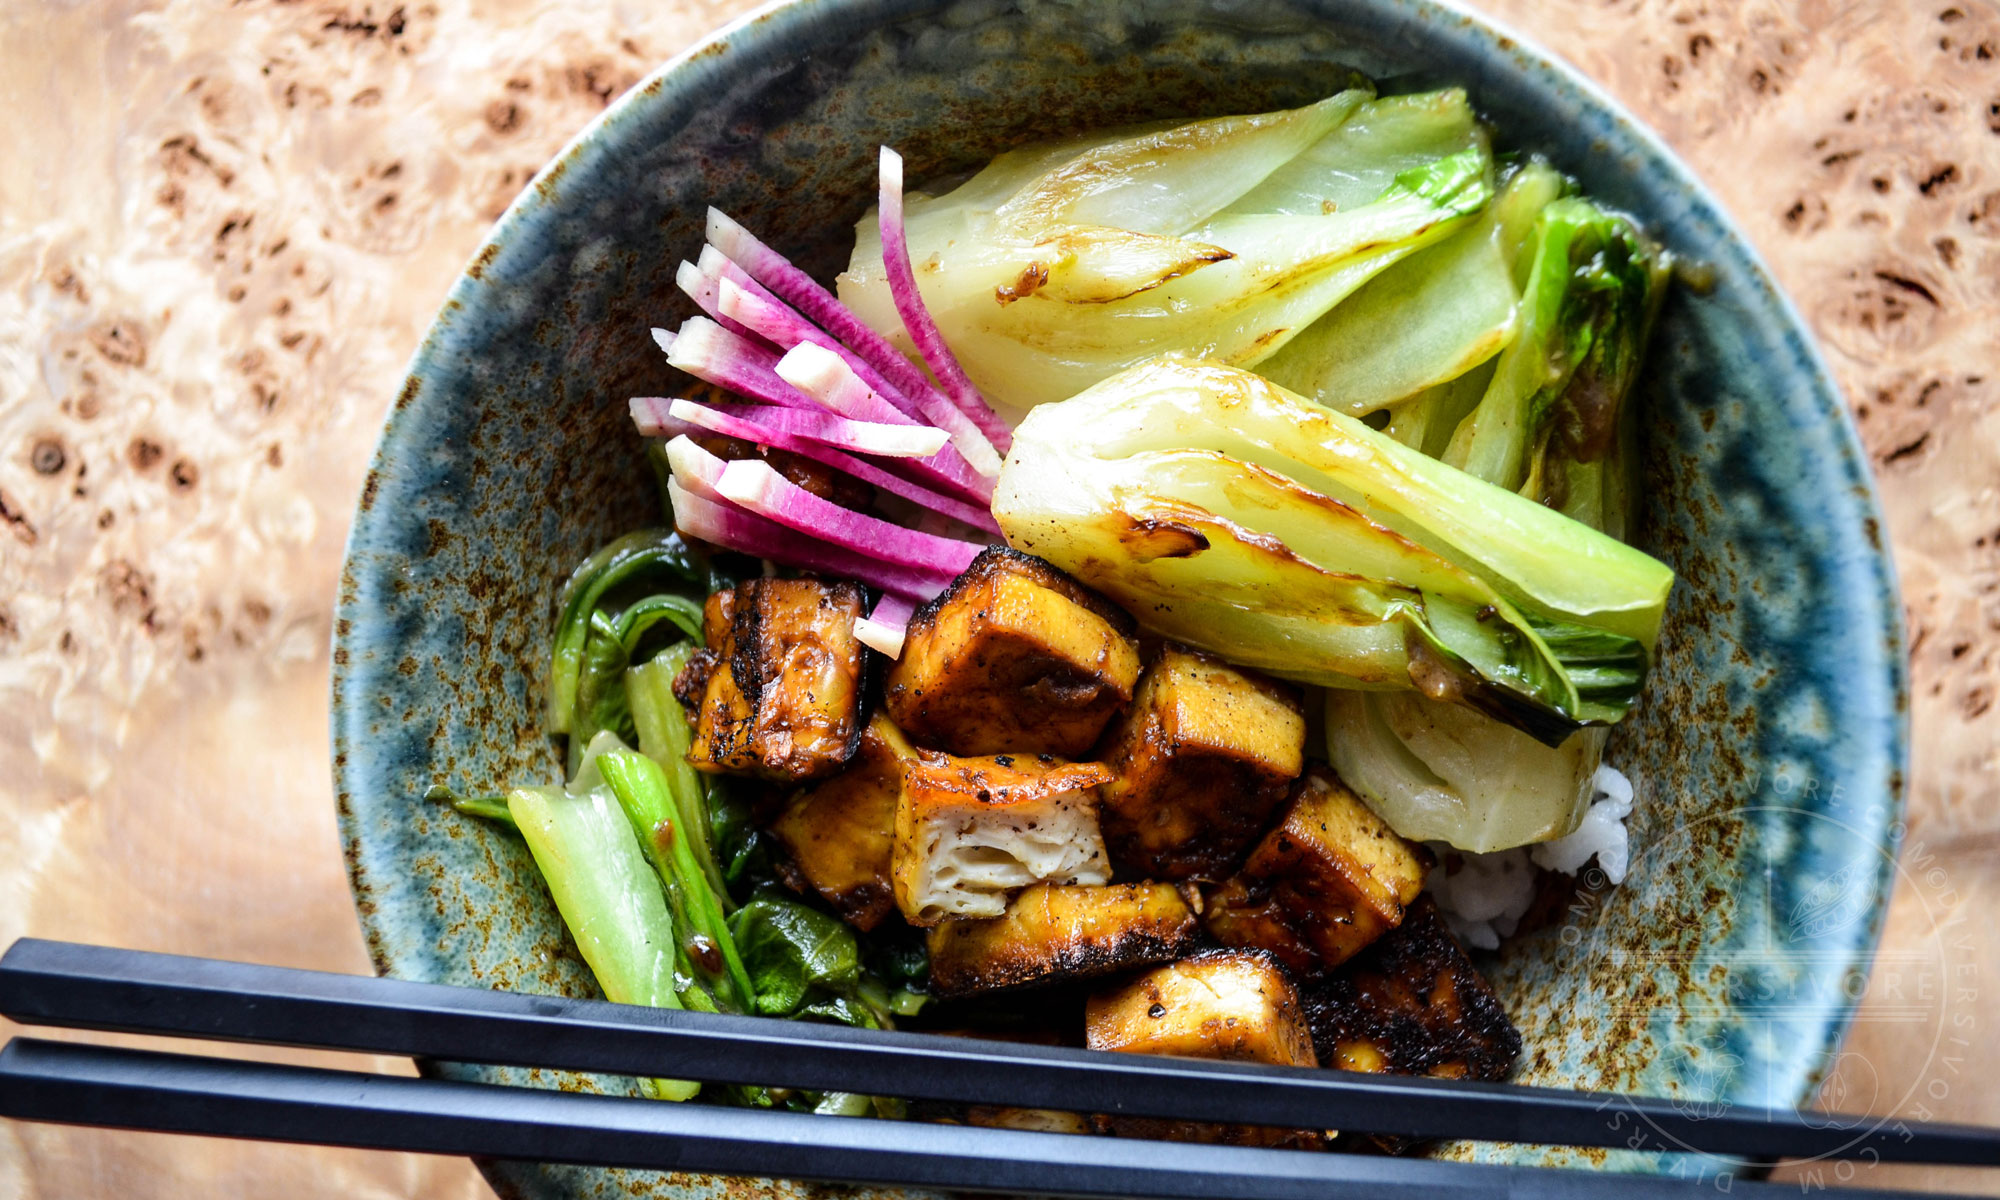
(1413, 1004)
(839, 833)
(1200, 762)
(1034, 1120)
(1016, 657)
(707, 686)
(971, 830)
(782, 693)
(1060, 931)
(1331, 878)
(1226, 1004)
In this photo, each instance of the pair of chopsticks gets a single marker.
(89, 987)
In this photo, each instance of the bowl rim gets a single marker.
(782, 18)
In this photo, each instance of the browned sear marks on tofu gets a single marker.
(1224, 1004)
(1331, 878)
(839, 834)
(780, 682)
(1016, 657)
(971, 831)
(1061, 931)
(1413, 1004)
(1201, 760)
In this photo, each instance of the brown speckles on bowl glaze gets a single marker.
(510, 457)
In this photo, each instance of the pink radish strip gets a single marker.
(756, 486)
(820, 373)
(664, 339)
(770, 316)
(826, 378)
(798, 289)
(711, 479)
(746, 533)
(714, 355)
(783, 324)
(860, 437)
(657, 417)
(917, 319)
(885, 628)
(701, 289)
(787, 324)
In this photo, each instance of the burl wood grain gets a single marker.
(223, 229)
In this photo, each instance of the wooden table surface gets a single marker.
(222, 228)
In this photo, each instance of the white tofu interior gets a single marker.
(974, 855)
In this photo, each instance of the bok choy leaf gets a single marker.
(606, 893)
(1552, 420)
(1233, 515)
(1049, 272)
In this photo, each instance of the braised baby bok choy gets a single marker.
(1234, 516)
(1552, 421)
(1056, 267)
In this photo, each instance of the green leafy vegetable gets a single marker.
(707, 946)
(1358, 160)
(492, 808)
(605, 891)
(1550, 424)
(665, 736)
(1233, 515)
(1551, 420)
(1052, 271)
(794, 951)
(629, 558)
(1424, 322)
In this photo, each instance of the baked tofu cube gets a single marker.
(707, 687)
(1061, 931)
(1331, 878)
(782, 694)
(1034, 1120)
(1201, 760)
(971, 830)
(839, 834)
(1226, 1004)
(1413, 1004)
(1016, 657)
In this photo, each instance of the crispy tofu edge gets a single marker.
(929, 785)
(1162, 926)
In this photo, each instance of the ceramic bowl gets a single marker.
(1769, 746)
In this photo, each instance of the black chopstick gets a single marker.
(90, 987)
(175, 1093)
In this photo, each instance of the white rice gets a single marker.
(1484, 896)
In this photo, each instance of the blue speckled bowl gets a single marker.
(1770, 745)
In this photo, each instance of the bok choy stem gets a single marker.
(665, 737)
(602, 886)
(665, 836)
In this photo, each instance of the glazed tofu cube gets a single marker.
(707, 687)
(1034, 1120)
(780, 684)
(1060, 931)
(1226, 1004)
(1016, 657)
(839, 834)
(1331, 878)
(1413, 1004)
(969, 831)
(1201, 760)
